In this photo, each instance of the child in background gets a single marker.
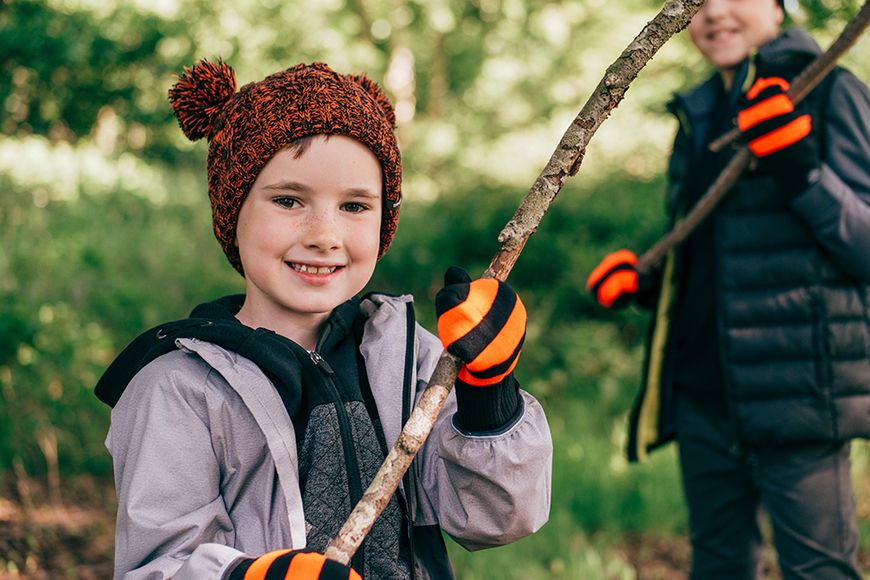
(243, 436)
(759, 359)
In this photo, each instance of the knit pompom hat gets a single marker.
(246, 128)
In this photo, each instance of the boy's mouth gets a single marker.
(721, 34)
(312, 269)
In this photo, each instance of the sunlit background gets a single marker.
(105, 231)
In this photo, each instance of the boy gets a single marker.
(759, 360)
(249, 431)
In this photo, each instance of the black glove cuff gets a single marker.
(487, 410)
(239, 571)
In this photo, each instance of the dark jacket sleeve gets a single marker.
(837, 205)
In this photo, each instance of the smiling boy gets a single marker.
(243, 436)
(758, 362)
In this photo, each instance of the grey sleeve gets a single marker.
(484, 490)
(837, 205)
(172, 522)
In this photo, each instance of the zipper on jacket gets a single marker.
(409, 480)
(354, 483)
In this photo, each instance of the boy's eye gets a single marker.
(355, 207)
(287, 202)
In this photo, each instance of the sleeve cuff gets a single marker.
(487, 409)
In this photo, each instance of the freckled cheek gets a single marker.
(366, 243)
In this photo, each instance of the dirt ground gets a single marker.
(73, 538)
(68, 538)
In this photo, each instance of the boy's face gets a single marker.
(726, 30)
(309, 231)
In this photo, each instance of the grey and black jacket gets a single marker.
(208, 471)
(791, 277)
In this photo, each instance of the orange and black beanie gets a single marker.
(245, 128)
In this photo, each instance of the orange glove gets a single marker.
(293, 565)
(781, 137)
(615, 281)
(481, 322)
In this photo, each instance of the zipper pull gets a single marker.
(320, 361)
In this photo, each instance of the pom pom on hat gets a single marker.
(199, 95)
(374, 91)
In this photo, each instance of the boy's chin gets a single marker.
(727, 61)
(324, 305)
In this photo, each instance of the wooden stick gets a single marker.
(702, 209)
(803, 84)
(816, 71)
(565, 161)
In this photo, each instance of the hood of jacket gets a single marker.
(215, 322)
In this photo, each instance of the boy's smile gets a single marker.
(308, 235)
(725, 31)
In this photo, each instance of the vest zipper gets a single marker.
(354, 483)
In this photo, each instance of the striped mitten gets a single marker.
(483, 323)
(293, 565)
(779, 136)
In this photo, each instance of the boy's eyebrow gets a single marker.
(302, 188)
(288, 186)
(362, 192)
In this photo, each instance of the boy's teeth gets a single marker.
(314, 269)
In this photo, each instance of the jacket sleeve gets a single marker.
(483, 490)
(172, 521)
(837, 205)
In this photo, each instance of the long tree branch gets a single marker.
(565, 161)
(803, 84)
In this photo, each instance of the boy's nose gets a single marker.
(322, 231)
(713, 9)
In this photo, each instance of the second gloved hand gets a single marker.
(483, 323)
(615, 281)
(778, 135)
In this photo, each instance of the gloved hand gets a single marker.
(483, 323)
(295, 564)
(615, 281)
(778, 135)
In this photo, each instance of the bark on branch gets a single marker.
(802, 85)
(565, 161)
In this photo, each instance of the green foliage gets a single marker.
(105, 226)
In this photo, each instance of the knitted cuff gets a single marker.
(482, 410)
(239, 571)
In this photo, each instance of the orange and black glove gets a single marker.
(483, 323)
(293, 565)
(780, 136)
(615, 281)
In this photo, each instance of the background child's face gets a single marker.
(726, 30)
(309, 231)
